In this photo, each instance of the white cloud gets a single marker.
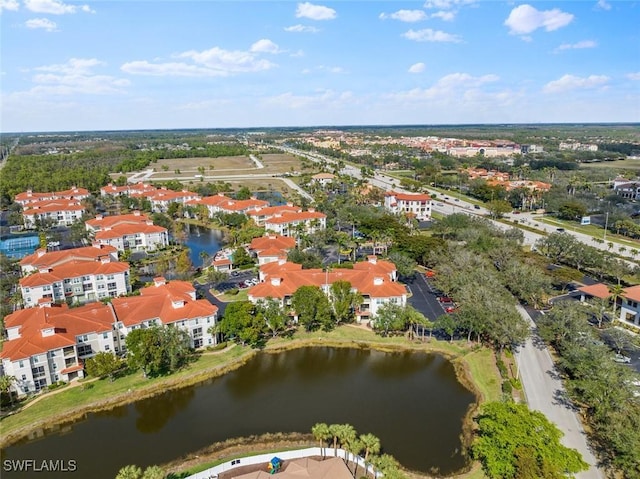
(443, 15)
(417, 68)
(74, 77)
(429, 35)
(301, 29)
(446, 4)
(408, 16)
(214, 62)
(447, 9)
(264, 46)
(525, 19)
(449, 88)
(11, 5)
(603, 5)
(577, 46)
(54, 7)
(41, 23)
(633, 76)
(571, 82)
(315, 12)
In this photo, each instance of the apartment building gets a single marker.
(294, 224)
(30, 196)
(49, 343)
(374, 279)
(271, 247)
(76, 281)
(167, 303)
(130, 232)
(45, 260)
(56, 212)
(414, 204)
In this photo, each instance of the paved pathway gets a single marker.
(545, 393)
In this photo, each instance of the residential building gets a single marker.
(270, 248)
(323, 179)
(629, 190)
(294, 224)
(630, 306)
(168, 303)
(76, 281)
(416, 205)
(223, 204)
(261, 215)
(73, 194)
(43, 260)
(56, 212)
(127, 190)
(49, 343)
(131, 232)
(374, 279)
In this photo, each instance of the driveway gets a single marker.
(423, 298)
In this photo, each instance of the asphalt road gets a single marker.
(545, 393)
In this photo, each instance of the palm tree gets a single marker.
(334, 430)
(5, 386)
(354, 446)
(371, 445)
(130, 472)
(321, 432)
(204, 256)
(616, 292)
(346, 435)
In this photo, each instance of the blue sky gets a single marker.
(216, 64)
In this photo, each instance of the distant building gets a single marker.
(58, 212)
(73, 194)
(271, 248)
(630, 306)
(42, 259)
(323, 179)
(629, 190)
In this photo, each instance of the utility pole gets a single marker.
(606, 224)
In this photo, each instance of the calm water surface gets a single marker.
(411, 401)
(201, 239)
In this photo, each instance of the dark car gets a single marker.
(476, 207)
(445, 299)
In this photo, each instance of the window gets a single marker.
(105, 335)
(46, 287)
(107, 347)
(110, 277)
(99, 277)
(75, 280)
(111, 285)
(84, 350)
(83, 338)
(20, 364)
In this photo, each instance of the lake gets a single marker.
(412, 401)
(201, 239)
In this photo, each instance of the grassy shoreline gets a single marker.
(475, 368)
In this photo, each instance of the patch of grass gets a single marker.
(230, 298)
(591, 230)
(483, 370)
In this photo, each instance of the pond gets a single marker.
(201, 239)
(412, 401)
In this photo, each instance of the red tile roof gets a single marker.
(293, 217)
(408, 196)
(67, 323)
(272, 241)
(74, 269)
(121, 230)
(43, 259)
(158, 302)
(372, 279)
(102, 222)
(632, 293)
(598, 290)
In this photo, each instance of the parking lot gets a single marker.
(424, 297)
(236, 279)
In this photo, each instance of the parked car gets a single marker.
(476, 207)
(450, 309)
(445, 299)
(560, 230)
(430, 274)
(621, 358)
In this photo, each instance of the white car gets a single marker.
(621, 358)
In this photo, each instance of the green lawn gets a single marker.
(591, 230)
(482, 366)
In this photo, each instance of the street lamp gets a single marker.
(606, 224)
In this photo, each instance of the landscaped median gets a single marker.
(475, 367)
